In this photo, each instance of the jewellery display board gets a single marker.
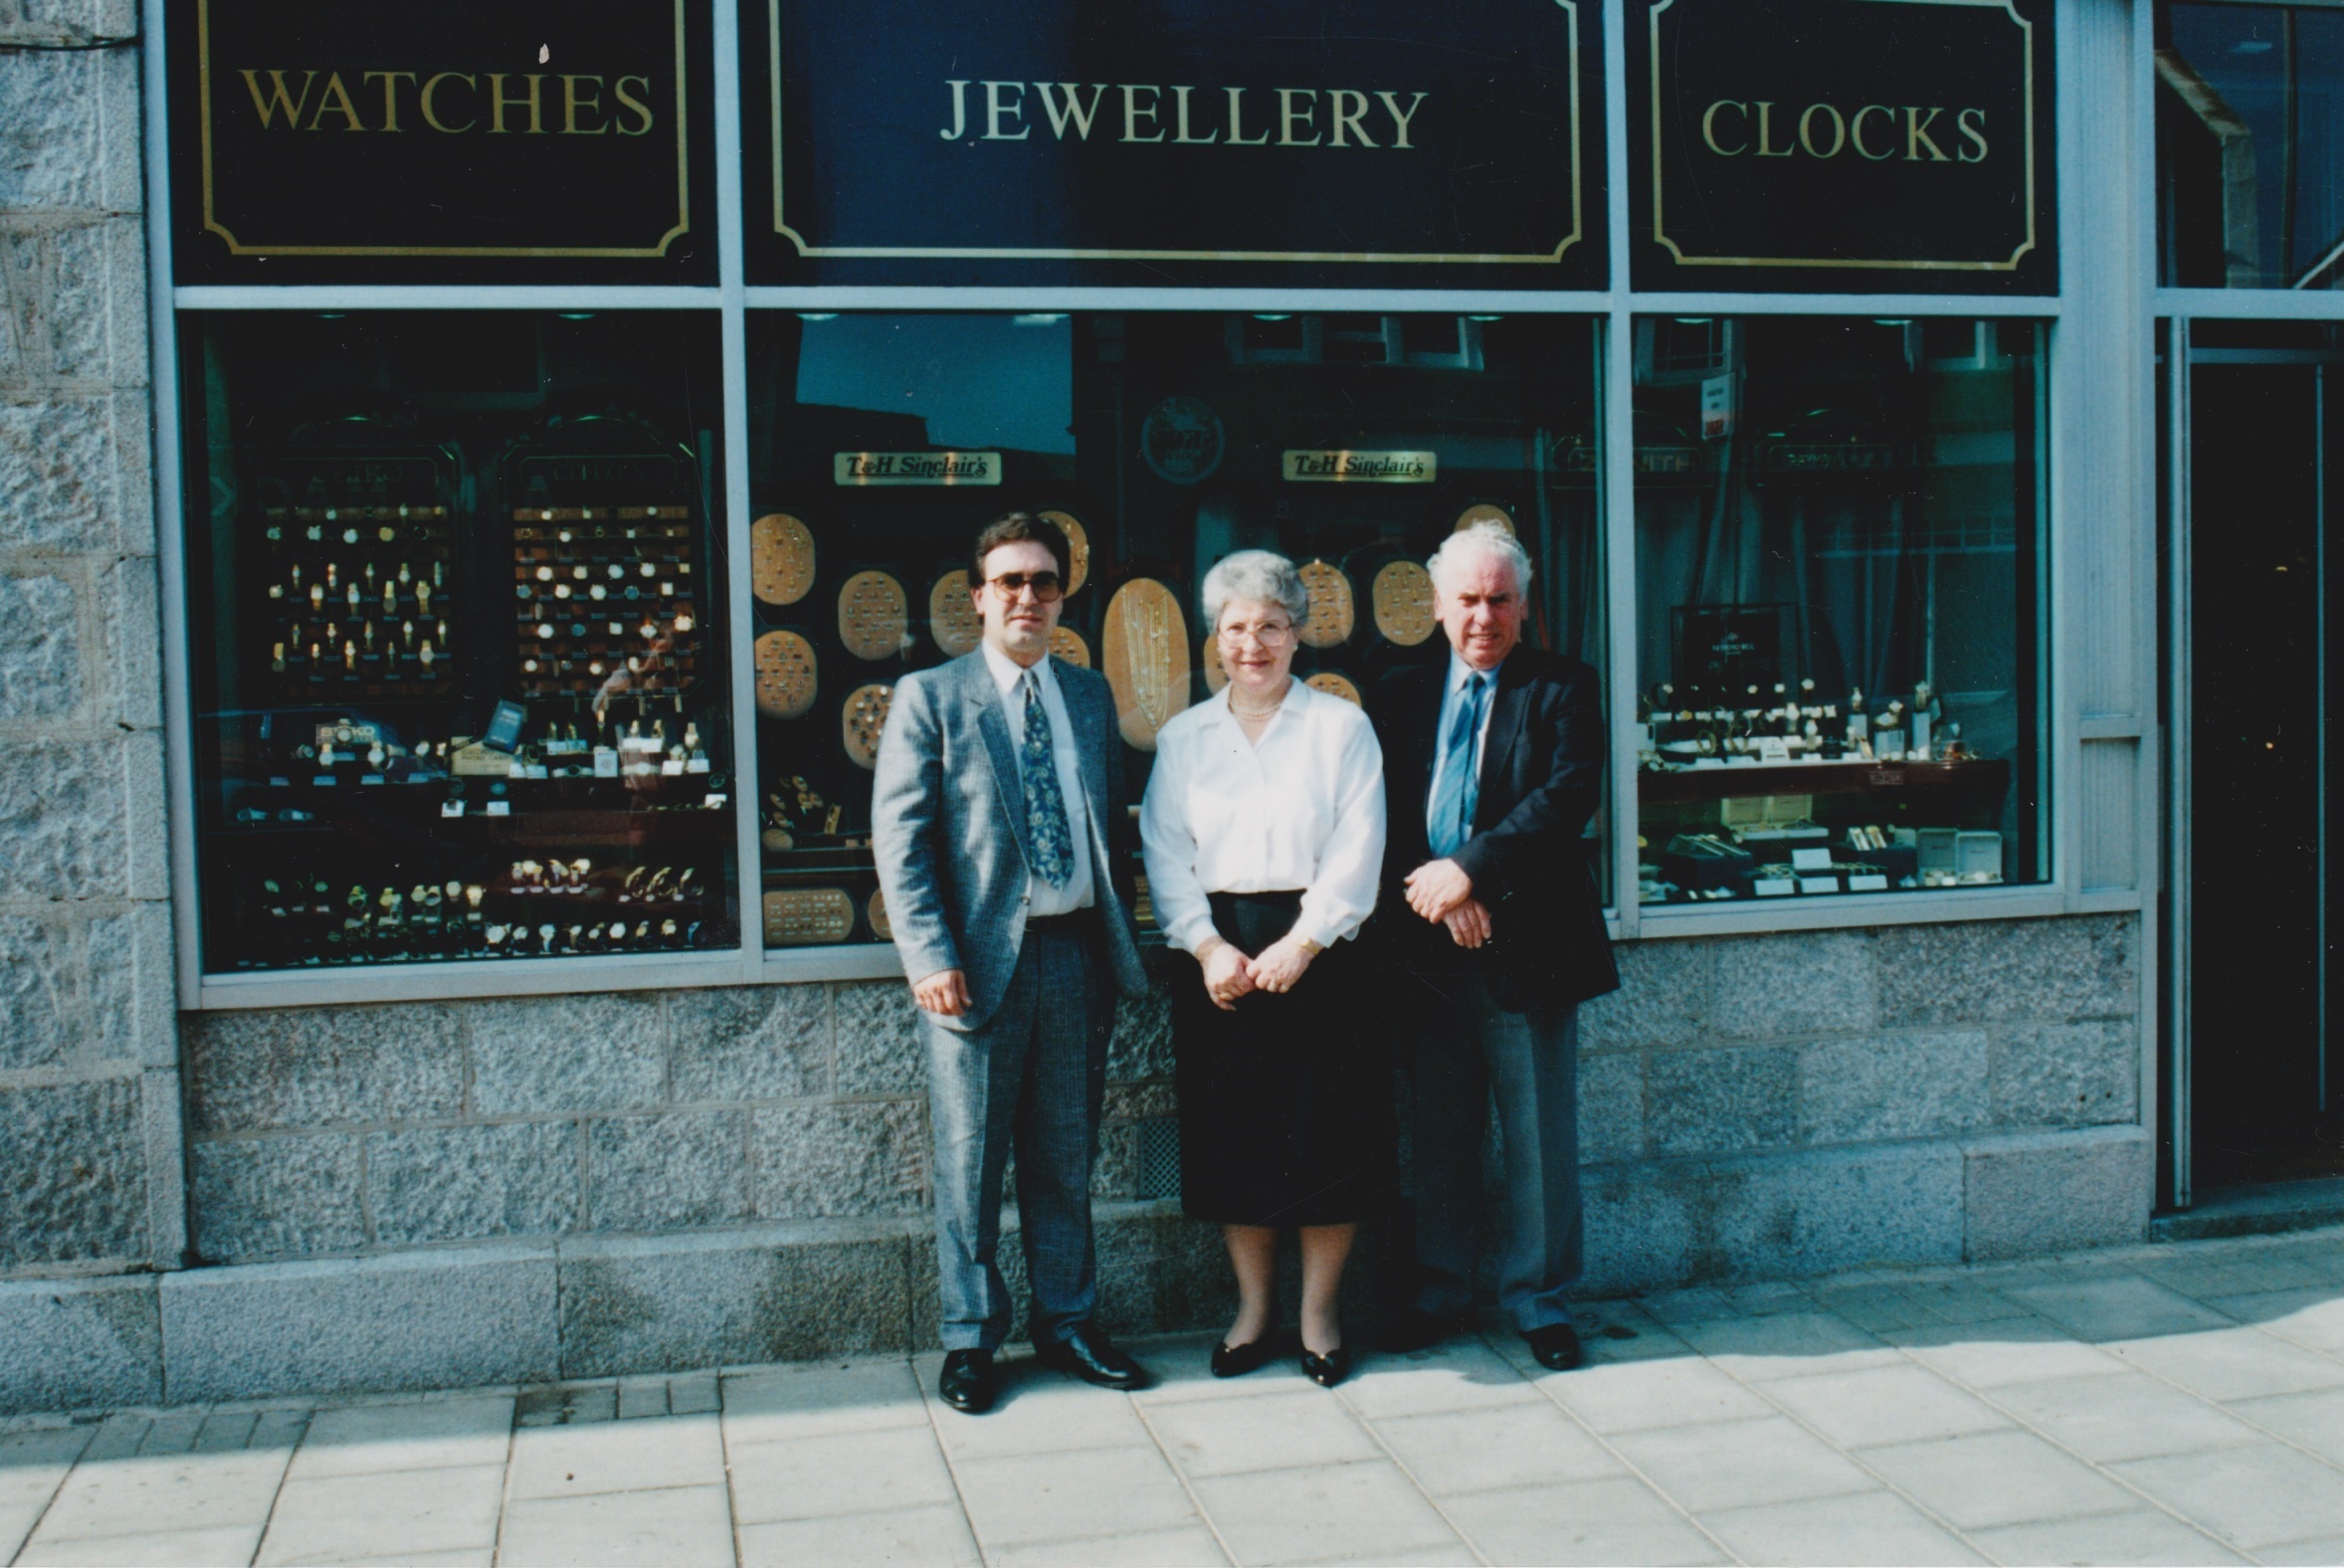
(462, 706)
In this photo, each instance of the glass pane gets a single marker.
(2250, 146)
(1167, 441)
(456, 594)
(1839, 588)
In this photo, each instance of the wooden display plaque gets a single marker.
(1485, 511)
(808, 916)
(862, 719)
(1146, 658)
(1067, 644)
(874, 619)
(1402, 597)
(781, 558)
(1078, 548)
(786, 676)
(1216, 672)
(876, 911)
(952, 615)
(1334, 683)
(1332, 614)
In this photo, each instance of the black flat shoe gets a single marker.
(1327, 1370)
(1088, 1354)
(1555, 1346)
(1238, 1360)
(968, 1382)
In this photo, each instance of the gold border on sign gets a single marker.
(1007, 252)
(2026, 54)
(236, 246)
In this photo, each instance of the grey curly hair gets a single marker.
(1482, 538)
(1263, 576)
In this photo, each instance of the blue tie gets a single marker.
(1450, 816)
(1046, 805)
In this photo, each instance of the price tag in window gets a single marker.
(1869, 881)
(670, 769)
(451, 808)
(324, 781)
(1773, 888)
(1819, 884)
(1811, 859)
(501, 807)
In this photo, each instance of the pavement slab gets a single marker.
(682, 1525)
(1598, 1521)
(2110, 1418)
(1856, 1531)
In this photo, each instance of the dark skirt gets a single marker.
(1286, 1104)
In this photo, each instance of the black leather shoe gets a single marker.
(1238, 1360)
(1327, 1370)
(1088, 1354)
(968, 1382)
(1556, 1346)
(1418, 1329)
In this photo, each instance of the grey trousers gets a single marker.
(1529, 1063)
(1034, 1075)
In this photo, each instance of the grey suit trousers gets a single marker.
(1032, 1074)
(1529, 1063)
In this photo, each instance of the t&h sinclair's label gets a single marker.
(1342, 465)
(917, 467)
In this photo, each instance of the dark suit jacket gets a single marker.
(1542, 771)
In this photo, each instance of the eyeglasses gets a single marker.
(1269, 633)
(1046, 585)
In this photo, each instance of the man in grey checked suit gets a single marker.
(999, 775)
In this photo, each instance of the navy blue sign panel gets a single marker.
(1342, 142)
(442, 140)
(1860, 145)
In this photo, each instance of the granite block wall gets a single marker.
(90, 1094)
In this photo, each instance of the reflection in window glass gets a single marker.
(881, 444)
(1839, 605)
(459, 679)
(2250, 146)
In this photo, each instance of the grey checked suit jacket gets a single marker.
(948, 815)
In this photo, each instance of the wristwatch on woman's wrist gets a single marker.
(1311, 948)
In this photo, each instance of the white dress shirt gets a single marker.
(1302, 807)
(1452, 698)
(1010, 677)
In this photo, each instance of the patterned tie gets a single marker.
(1046, 805)
(1450, 816)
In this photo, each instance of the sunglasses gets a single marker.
(1046, 585)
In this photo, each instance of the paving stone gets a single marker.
(2118, 1306)
(1707, 1468)
(2067, 1074)
(816, 1401)
(185, 1491)
(879, 1043)
(277, 1068)
(1594, 1523)
(1867, 1528)
(819, 1161)
(1181, 1549)
(839, 1473)
(400, 1514)
(729, 1297)
(676, 1524)
(2323, 1551)
(667, 1172)
(1496, 1450)
(2128, 1417)
(76, 1158)
(1792, 1344)
(1041, 1411)
(2064, 968)
(456, 1433)
(749, 1043)
(1720, 1102)
(2232, 1363)
(641, 1397)
(2313, 1421)
(32, 1465)
(1978, 1482)
(1876, 1405)
(1359, 1511)
(1911, 1086)
(1226, 1437)
(276, 1197)
(2002, 1354)
(2119, 1541)
(616, 1455)
(2251, 1496)
(195, 1548)
(567, 1054)
(1643, 1395)
(1803, 983)
(74, 1344)
(445, 1184)
(937, 1533)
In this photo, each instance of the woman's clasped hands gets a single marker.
(1230, 974)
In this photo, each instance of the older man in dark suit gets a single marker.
(1493, 762)
(1000, 776)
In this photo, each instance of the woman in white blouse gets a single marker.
(1263, 830)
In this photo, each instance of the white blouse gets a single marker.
(1303, 808)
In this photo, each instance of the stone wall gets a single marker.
(89, 1086)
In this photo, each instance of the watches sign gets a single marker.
(551, 128)
(1846, 137)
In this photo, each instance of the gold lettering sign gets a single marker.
(1345, 467)
(917, 467)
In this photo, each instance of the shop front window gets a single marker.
(1159, 443)
(1839, 606)
(460, 677)
(2250, 146)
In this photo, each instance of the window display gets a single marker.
(1838, 564)
(1158, 444)
(460, 690)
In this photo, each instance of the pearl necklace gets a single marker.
(1245, 712)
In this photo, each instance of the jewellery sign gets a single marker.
(435, 138)
(1205, 141)
(1841, 144)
